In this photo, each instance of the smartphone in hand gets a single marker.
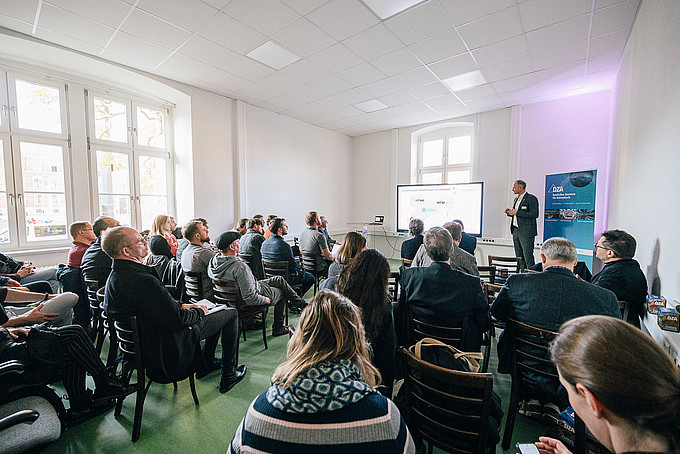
(527, 448)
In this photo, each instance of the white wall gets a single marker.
(645, 144)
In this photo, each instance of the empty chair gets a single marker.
(127, 333)
(487, 273)
(505, 266)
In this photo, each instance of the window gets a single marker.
(130, 148)
(34, 156)
(446, 155)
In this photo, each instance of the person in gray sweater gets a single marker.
(274, 291)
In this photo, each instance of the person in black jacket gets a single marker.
(524, 212)
(410, 246)
(621, 273)
(96, 265)
(170, 334)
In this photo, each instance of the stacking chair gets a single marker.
(248, 258)
(393, 285)
(530, 360)
(279, 268)
(193, 286)
(487, 273)
(490, 293)
(624, 310)
(447, 408)
(505, 266)
(309, 265)
(227, 292)
(97, 332)
(108, 329)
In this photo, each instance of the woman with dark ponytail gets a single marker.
(621, 383)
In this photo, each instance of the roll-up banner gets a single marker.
(570, 210)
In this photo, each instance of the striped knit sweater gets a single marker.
(298, 420)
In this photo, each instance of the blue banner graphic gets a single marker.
(570, 210)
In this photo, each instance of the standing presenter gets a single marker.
(524, 212)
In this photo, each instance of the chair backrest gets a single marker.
(309, 262)
(487, 273)
(625, 307)
(276, 268)
(491, 291)
(227, 292)
(511, 264)
(393, 284)
(448, 408)
(406, 263)
(92, 286)
(193, 285)
(450, 330)
(127, 334)
(248, 258)
(530, 355)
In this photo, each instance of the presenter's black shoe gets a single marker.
(229, 382)
(215, 364)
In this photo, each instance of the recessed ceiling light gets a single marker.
(273, 55)
(388, 8)
(466, 80)
(371, 106)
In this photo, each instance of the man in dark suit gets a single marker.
(548, 299)
(621, 273)
(468, 243)
(438, 292)
(460, 260)
(410, 246)
(524, 212)
(170, 334)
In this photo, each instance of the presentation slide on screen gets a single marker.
(437, 204)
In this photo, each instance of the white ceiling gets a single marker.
(527, 50)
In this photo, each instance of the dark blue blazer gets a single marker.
(410, 247)
(625, 278)
(468, 243)
(527, 212)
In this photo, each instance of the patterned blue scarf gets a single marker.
(328, 386)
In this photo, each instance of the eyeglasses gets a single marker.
(595, 246)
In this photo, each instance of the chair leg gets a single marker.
(174, 385)
(264, 326)
(139, 408)
(512, 415)
(242, 324)
(192, 384)
(126, 373)
(101, 333)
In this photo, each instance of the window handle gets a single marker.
(14, 111)
(11, 199)
(4, 110)
(20, 198)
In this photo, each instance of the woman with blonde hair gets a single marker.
(351, 246)
(162, 226)
(621, 384)
(323, 397)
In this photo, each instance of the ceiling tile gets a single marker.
(285, 102)
(604, 3)
(602, 80)
(134, 47)
(482, 104)
(342, 18)
(439, 47)
(106, 12)
(453, 66)
(281, 83)
(305, 71)
(397, 99)
(381, 87)
(373, 42)
(219, 4)
(508, 69)
(128, 60)
(15, 24)
(304, 7)
(74, 26)
(258, 91)
(154, 30)
(446, 100)
(614, 18)
(419, 23)
(609, 62)
(248, 68)
(414, 78)
(207, 52)
(429, 90)
(354, 96)
(560, 34)
(232, 34)
(214, 89)
(361, 74)
(190, 15)
(336, 58)
(509, 49)
(303, 38)
(560, 55)
(265, 16)
(541, 13)
(463, 11)
(493, 28)
(230, 81)
(563, 72)
(482, 91)
(396, 62)
(515, 83)
(306, 94)
(331, 84)
(609, 43)
(327, 104)
(187, 66)
(66, 41)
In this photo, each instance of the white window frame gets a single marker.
(14, 118)
(445, 134)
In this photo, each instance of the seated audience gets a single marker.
(460, 260)
(322, 397)
(196, 257)
(268, 231)
(183, 243)
(548, 299)
(169, 270)
(24, 308)
(170, 334)
(96, 265)
(621, 383)
(274, 291)
(175, 229)
(251, 243)
(26, 274)
(323, 224)
(468, 243)
(410, 246)
(440, 292)
(364, 282)
(314, 242)
(621, 273)
(71, 277)
(580, 270)
(83, 237)
(241, 226)
(351, 246)
(162, 226)
(276, 249)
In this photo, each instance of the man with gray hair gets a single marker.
(548, 299)
(460, 260)
(438, 292)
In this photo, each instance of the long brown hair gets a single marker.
(625, 370)
(364, 281)
(159, 224)
(352, 244)
(330, 328)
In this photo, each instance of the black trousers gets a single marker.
(221, 325)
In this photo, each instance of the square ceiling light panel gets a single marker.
(465, 80)
(273, 55)
(371, 106)
(388, 8)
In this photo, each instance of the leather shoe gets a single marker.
(229, 382)
(280, 331)
(81, 413)
(112, 388)
(215, 364)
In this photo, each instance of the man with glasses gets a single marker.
(621, 273)
(170, 334)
